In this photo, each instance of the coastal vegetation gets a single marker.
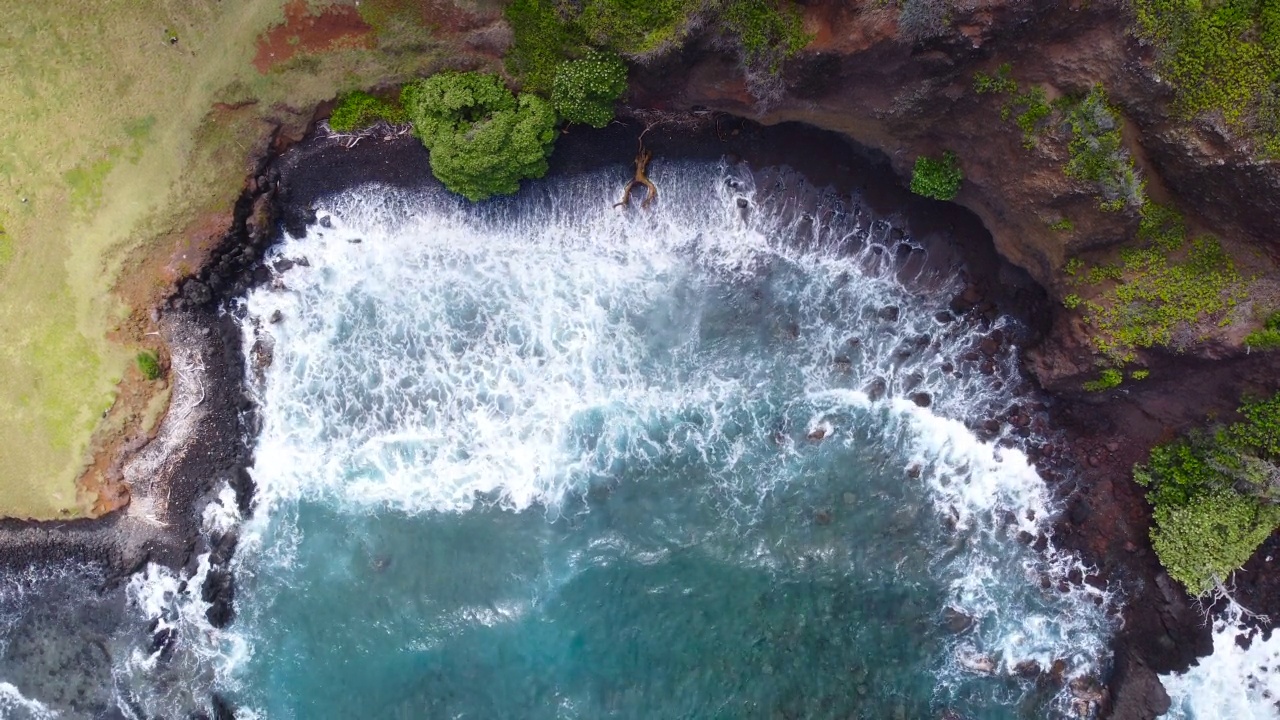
(148, 364)
(1268, 338)
(1223, 58)
(483, 138)
(585, 90)
(358, 110)
(938, 178)
(1213, 496)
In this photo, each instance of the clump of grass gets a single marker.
(1107, 379)
(1140, 374)
(149, 365)
(1268, 338)
(1073, 266)
(1072, 301)
(937, 178)
(1222, 57)
(358, 110)
(1065, 226)
(1097, 153)
(1001, 82)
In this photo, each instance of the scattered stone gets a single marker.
(913, 471)
(923, 399)
(276, 316)
(326, 222)
(743, 203)
(817, 433)
(889, 314)
(980, 664)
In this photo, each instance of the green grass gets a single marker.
(108, 136)
(1213, 496)
(937, 178)
(1223, 57)
(148, 365)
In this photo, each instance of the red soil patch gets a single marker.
(336, 26)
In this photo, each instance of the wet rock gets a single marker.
(276, 316)
(283, 265)
(944, 316)
(987, 368)
(1136, 692)
(219, 591)
(222, 709)
(743, 203)
(948, 368)
(326, 222)
(355, 240)
(979, 664)
(989, 346)
(923, 399)
(889, 314)
(817, 433)
(163, 642)
(822, 517)
(1027, 669)
(196, 292)
(956, 621)
(876, 389)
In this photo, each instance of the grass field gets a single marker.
(107, 145)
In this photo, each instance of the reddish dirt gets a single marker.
(335, 27)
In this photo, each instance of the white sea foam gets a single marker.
(1231, 684)
(15, 706)
(381, 396)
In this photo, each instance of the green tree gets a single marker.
(483, 140)
(586, 90)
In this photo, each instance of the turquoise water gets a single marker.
(550, 459)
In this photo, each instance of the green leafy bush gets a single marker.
(483, 140)
(768, 31)
(1097, 153)
(586, 90)
(545, 34)
(1223, 57)
(1139, 374)
(1072, 301)
(149, 365)
(635, 27)
(1268, 338)
(358, 110)
(999, 83)
(937, 178)
(1214, 496)
(1107, 379)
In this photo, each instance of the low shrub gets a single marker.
(1097, 153)
(768, 31)
(585, 90)
(483, 140)
(1213, 496)
(358, 110)
(937, 178)
(1107, 379)
(149, 365)
(1268, 338)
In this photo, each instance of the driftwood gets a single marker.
(651, 191)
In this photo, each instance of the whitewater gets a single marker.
(545, 457)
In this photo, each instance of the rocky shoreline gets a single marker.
(205, 440)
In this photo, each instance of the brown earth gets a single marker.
(335, 26)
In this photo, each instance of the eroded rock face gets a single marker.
(862, 77)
